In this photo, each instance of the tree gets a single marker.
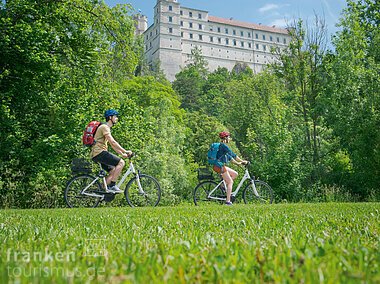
(257, 118)
(60, 61)
(300, 68)
(352, 100)
(190, 81)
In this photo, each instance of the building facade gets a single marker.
(176, 30)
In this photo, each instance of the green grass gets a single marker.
(307, 243)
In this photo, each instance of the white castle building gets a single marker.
(177, 30)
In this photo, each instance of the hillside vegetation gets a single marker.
(309, 124)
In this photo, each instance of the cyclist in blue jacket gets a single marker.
(224, 156)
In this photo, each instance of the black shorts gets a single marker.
(108, 160)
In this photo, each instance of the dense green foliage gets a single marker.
(282, 243)
(308, 124)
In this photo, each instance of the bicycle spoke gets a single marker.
(263, 194)
(150, 196)
(73, 192)
(201, 193)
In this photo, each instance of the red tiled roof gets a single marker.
(246, 25)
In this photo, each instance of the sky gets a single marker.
(275, 12)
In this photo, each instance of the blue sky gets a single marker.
(269, 13)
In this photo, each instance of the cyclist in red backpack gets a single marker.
(224, 156)
(99, 151)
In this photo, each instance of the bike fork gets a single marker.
(254, 188)
(141, 191)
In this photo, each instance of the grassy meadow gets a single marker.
(281, 243)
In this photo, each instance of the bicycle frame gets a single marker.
(131, 170)
(246, 176)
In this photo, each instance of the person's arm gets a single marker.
(116, 146)
(235, 159)
(239, 161)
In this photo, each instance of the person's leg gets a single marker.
(229, 175)
(111, 163)
(115, 172)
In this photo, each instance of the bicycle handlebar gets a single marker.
(246, 165)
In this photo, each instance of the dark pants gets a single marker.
(108, 160)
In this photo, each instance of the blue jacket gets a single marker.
(224, 155)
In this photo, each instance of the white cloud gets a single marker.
(268, 7)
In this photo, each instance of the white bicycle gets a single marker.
(255, 191)
(85, 190)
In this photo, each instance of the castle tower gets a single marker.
(141, 23)
(164, 38)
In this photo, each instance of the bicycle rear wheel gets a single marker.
(264, 191)
(73, 196)
(151, 195)
(202, 190)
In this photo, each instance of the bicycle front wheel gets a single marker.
(202, 190)
(264, 193)
(73, 196)
(148, 195)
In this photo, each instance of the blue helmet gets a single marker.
(110, 112)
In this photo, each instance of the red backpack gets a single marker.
(89, 133)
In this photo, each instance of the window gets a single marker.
(249, 45)
(264, 47)
(226, 30)
(257, 46)
(170, 19)
(170, 8)
(191, 35)
(190, 14)
(270, 38)
(211, 39)
(219, 40)
(278, 39)
(249, 34)
(199, 16)
(199, 26)
(257, 36)
(218, 29)
(234, 32)
(181, 13)
(242, 44)
(181, 34)
(171, 30)
(181, 23)
(284, 40)
(227, 41)
(241, 33)
(234, 41)
(200, 37)
(190, 25)
(263, 37)
(211, 28)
